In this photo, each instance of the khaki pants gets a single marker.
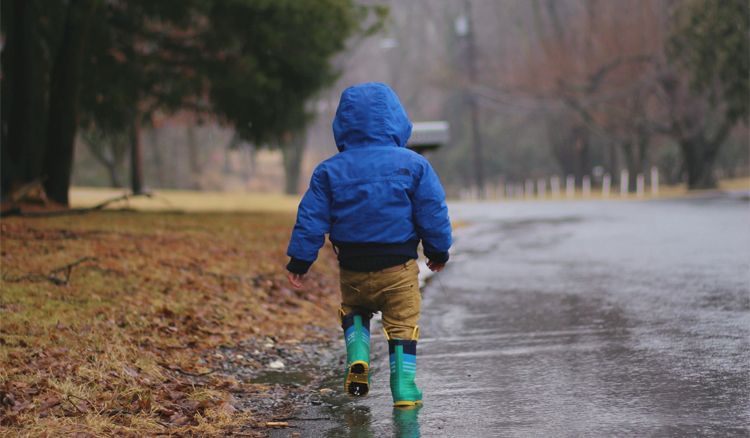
(393, 291)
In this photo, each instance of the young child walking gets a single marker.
(376, 200)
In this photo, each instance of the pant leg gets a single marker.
(401, 301)
(356, 294)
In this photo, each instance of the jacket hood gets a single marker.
(370, 115)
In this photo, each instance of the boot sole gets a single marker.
(357, 382)
(407, 403)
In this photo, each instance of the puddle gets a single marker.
(294, 378)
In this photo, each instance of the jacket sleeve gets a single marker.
(313, 223)
(431, 216)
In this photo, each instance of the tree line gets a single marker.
(686, 79)
(566, 86)
(109, 67)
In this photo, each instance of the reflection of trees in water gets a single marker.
(354, 421)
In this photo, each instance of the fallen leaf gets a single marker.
(49, 403)
(178, 419)
(226, 408)
(130, 371)
(7, 399)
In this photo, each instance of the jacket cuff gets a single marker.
(437, 257)
(297, 266)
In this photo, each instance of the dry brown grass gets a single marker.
(109, 351)
(188, 201)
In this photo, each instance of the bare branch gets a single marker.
(71, 211)
(53, 276)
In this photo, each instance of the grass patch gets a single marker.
(124, 342)
(189, 201)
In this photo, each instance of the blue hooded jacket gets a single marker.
(375, 197)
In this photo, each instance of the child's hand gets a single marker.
(295, 279)
(435, 267)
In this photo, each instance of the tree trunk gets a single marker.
(114, 179)
(153, 136)
(63, 102)
(563, 147)
(582, 164)
(631, 162)
(250, 155)
(23, 96)
(700, 154)
(699, 162)
(613, 161)
(292, 152)
(194, 158)
(699, 172)
(234, 141)
(97, 147)
(644, 140)
(476, 134)
(136, 156)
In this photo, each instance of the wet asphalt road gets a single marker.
(576, 319)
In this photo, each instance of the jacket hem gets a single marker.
(346, 250)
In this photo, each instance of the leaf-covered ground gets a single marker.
(112, 323)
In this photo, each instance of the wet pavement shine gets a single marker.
(575, 319)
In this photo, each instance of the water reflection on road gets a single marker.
(580, 319)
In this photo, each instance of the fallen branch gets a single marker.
(54, 275)
(16, 211)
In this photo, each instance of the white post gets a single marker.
(606, 183)
(586, 186)
(570, 186)
(554, 184)
(529, 188)
(624, 183)
(654, 181)
(640, 184)
(541, 187)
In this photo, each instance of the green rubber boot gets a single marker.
(357, 337)
(403, 358)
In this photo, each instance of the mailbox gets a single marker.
(428, 136)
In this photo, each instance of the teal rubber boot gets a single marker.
(357, 337)
(403, 358)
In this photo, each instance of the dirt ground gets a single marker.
(122, 323)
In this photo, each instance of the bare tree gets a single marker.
(109, 149)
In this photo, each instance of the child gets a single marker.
(376, 200)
